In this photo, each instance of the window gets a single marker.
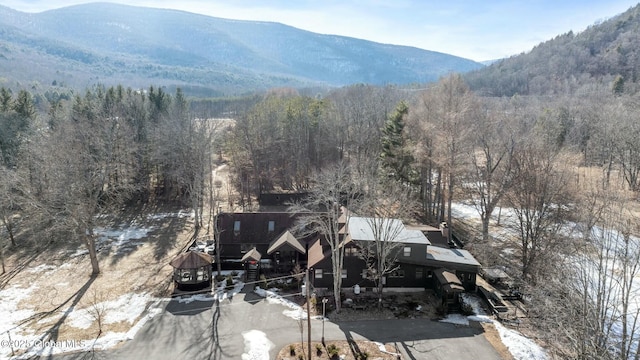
(350, 251)
(368, 274)
(318, 273)
(407, 251)
(418, 273)
(399, 273)
(271, 226)
(344, 273)
(236, 227)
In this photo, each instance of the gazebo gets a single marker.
(190, 269)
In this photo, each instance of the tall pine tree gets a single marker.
(396, 159)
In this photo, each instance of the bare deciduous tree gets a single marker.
(386, 205)
(539, 199)
(323, 209)
(448, 110)
(491, 172)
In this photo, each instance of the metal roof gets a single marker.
(361, 229)
(456, 256)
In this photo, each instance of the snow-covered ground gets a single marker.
(256, 345)
(574, 230)
(111, 311)
(521, 347)
(132, 308)
(293, 310)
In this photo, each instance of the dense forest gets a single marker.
(554, 142)
(570, 63)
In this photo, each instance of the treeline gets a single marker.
(569, 63)
(108, 147)
(563, 167)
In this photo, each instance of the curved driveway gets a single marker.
(207, 330)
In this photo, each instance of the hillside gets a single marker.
(569, 61)
(110, 43)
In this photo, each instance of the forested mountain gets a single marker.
(569, 61)
(136, 46)
(548, 139)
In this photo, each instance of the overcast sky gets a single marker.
(474, 29)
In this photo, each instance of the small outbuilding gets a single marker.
(251, 264)
(191, 269)
(448, 287)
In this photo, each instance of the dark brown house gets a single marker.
(266, 232)
(418, 261)
(269, 235)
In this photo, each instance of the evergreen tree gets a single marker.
(5, 100)
(15, 120)
(396, 159)
(618, 85)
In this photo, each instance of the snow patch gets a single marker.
(520, 346)
(120, 240)
(179, 215)
(109, 339)
(127, 307)
(9, 313)
(256, 345)
(383, 349)
(196, 297)
(295, 311)
(42, 268)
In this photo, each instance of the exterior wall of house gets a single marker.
(240, 232)
(407, 276)
(412, 253)
(468, 279)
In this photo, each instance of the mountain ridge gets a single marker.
(569, 61)
(203, 50)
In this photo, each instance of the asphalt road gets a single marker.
(207, 330)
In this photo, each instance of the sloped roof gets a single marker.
(252, 254)
(344, 215)
(495, 273)
(360, 229)
(448, 280)
(191, 260)
(316, 255)
(285, 239)
(452, 256)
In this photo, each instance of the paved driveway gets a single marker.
(207, 330)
